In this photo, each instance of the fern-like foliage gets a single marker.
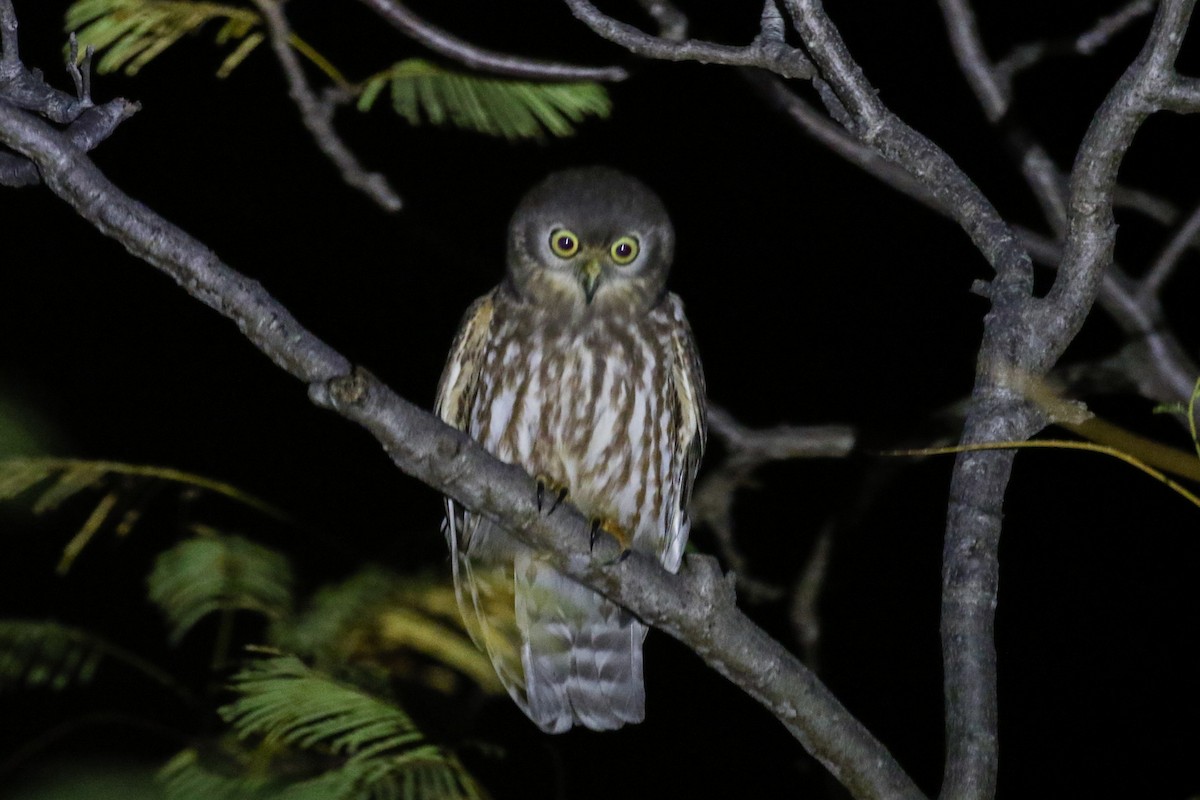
(49, 654)
(217, 572)
(18, 475)
(494, 106)
(409, 624)
(131, 33)
(284, 705)
(64, 478)
(46, 654)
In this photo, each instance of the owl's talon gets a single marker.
(614, 530)
(560, 493)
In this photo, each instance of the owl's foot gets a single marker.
(617, 532)
(559, 492)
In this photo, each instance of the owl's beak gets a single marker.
(590, 276)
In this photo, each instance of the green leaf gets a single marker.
(49, 654)
(74, 476)
(131, 33)
(185, 778)
(512, 109)
(377, 614)
(285, 703)
(216, 572)
(46, 654)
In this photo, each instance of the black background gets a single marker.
(816, 296)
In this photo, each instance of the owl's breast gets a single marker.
(589, 409)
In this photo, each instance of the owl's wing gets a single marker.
(455, 402)
(691, 431)
(460, 378)
(482, 555)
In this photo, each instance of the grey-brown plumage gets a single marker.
(580, 367)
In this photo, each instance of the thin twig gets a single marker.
(748, 449)
(476, 57)
(1024, 56)
(767, 51)
(672, 23)
(317, 114)
(1109, 26)
(805, 614)
(1162, 268)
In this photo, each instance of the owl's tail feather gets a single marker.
(582, 654)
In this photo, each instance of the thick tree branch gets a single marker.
(446, 44)
(1153, 360)
(1145, 87)
(696, 606)
(317, 114)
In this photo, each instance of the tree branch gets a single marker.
(88, 124)
(440, 41)
(1027, 55)
(747, 449)
(1145, 87)
(1164, 266)
(767, 51)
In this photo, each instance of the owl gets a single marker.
(579, 367)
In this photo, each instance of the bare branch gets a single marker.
(1153, 361)
(672, 23)
(1143, 88)
(10, 56)
(767, 51)
(1027, 55)
(992, 87)
(1108, 27)
(805, 614)
(88, 124)
(696, 606)
(837, 139)
(475, 57)
(26, 88)
(317, 114)
(1163, 266)
(747, 450)
(782, 442)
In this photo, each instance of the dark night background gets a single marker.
(816, 296)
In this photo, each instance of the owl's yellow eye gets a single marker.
(624, 250)
(564, 243)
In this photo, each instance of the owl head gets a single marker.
(591, 238)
